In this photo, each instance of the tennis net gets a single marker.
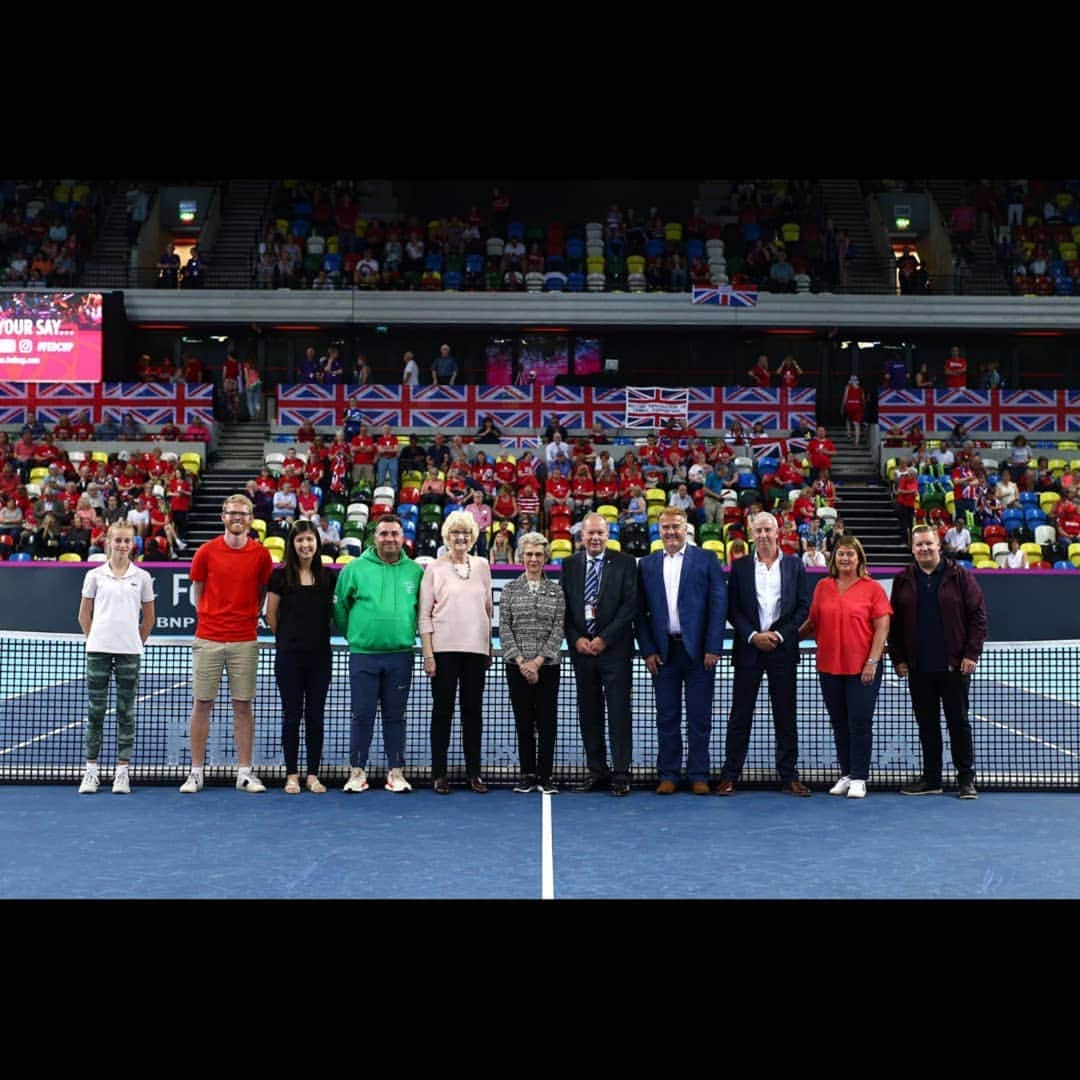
(1025, 716)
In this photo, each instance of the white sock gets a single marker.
(244, 770)
(197, 770)
(91, 767)
(121, 769)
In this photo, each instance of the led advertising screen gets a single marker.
(50, 337)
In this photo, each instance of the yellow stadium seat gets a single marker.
(38, 474)
(978, 549)
(341, 560)
(614, 545)
(714, 545)
(656, 495)
(986, 564)
(100, 455)
(561, 549)
(70, 556)
(1032, 551)
(1048, 500)
(259, 526)
(608, 512)
(1074, 549)
(656, 545)
(328, 560)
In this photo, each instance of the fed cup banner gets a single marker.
(50, 337)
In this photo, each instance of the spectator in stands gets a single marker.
(285, 503)
(192, 368)
(47, 537)
(488, 432)
(955, 369)
(849, 617)
(445, 369)
(366, 274)
(1019, 456)
(505, 507)
(781, 274)
(107, 431)
(1016, 558)
(410, 375)
(759, 375)
(812, 557)
(196, 431)
(501, 552)
(252, 389)
(789, 372)
(331, 367)
(1067, 517)
(194, 271)
(958, 538)
(1006, 490)
(230, 385)
(388, 450)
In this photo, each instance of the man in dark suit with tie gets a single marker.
(601, 599)
(768, 600)
(682, 610)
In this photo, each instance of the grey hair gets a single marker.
(764, 513)
(532, 539)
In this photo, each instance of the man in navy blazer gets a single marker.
(769, 599)
(682, 610)
(600, 637)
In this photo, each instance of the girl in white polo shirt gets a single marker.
(116, 615)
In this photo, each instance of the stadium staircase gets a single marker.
(987, 278)
(231, 260)
(236, 460)
(865, 502)
(846, 206)
(109, 266)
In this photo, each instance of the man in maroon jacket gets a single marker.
(935, 641)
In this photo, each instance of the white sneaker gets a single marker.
(121, 784)
(841, 786)
(192, 784)
(357, 780)
(396, 781)
(89, 783)
(249, 782)
(857, 790)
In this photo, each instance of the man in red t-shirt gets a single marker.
(820, 451)
(228, 576)
(907, 487)
(363, 456)
(955, 369)
(387, 467)
(1068, 518)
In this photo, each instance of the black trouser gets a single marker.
(534, 717)
(452, 668)
(781, 668)
(180, 522)
(605, 680)
(930, 692)
(303, 680)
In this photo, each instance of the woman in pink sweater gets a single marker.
(455, 633)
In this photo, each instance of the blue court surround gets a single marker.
(223, 844)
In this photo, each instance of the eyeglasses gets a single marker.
(237, 513)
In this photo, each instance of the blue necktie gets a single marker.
(592, 591)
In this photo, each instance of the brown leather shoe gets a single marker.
(699, 787)
(665, 787)
(441, 786)
(795, 787)
(478, 785)
(725, 787)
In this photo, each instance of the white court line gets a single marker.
(76, 723)
(1025, 735)
(547, 863)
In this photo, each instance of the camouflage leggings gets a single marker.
(99, 669)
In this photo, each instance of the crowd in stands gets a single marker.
(344, 483)
(776, 235)
(47, 228)
(57, 503)
(1036, 226)
(1018, 511)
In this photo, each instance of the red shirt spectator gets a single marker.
(844, 623)
(313, 470)
(790, 473)
(363, 450)
(820, 451)
(528, 501)
(505, 471)
(388, 446)
(526, 472)
(179, 492)
(907, 487)
(955, 369)
(557, 487)
(305, 432)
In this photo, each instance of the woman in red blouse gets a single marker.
(849, 617)
(505, 507)
(760, 374)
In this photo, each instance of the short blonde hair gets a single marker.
(243, 499)
(457, 521)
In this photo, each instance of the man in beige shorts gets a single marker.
(229, 575)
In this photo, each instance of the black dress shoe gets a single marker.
(620, 787)
(594, 783)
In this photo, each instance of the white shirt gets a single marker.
(411, 375)
(944, 457)
(556, 449)
(958, 539)
(1016, 560)
(767, 587)
(673, 565)
(813, 558)
(118, 605)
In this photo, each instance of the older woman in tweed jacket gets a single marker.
(531, 615)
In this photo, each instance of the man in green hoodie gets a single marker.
(375, 608)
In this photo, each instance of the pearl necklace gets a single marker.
(468, 569)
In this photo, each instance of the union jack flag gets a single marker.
(980, 410)
(651, 406)
(724, 296)
(772, 407)
(150, 403)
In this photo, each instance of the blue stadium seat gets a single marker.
(576, 282)
(515, 231)
(452, 280)
(433, 261)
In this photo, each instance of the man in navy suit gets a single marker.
(601, 600)
(682, 610)
(769, 599)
